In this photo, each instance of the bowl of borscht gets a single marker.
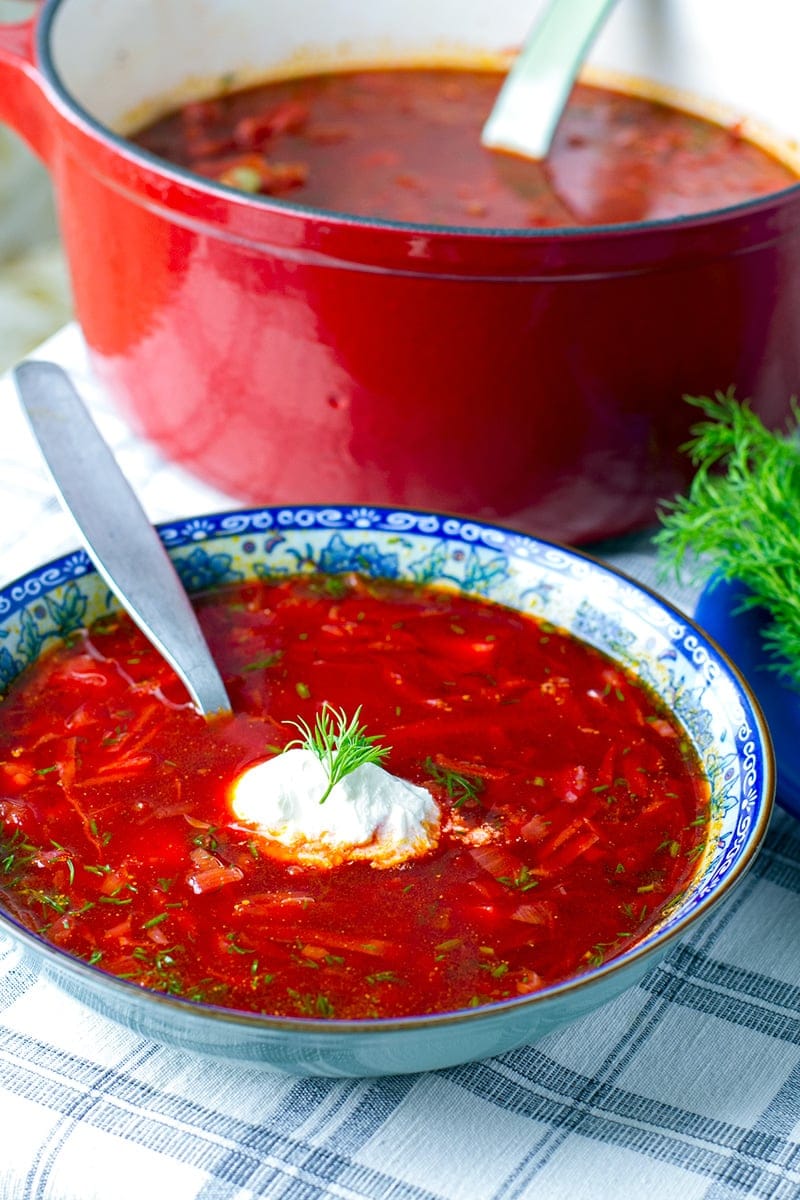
(300, 274)
(474, 785)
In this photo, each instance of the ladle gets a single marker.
(532, 99)
(117, 534)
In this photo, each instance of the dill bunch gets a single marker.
(741, 517)
(341, 744)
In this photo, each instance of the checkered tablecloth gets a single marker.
(687, 1086)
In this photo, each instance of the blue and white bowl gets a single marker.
(585, 597)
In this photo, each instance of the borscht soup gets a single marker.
(404, 145)
(529, 809)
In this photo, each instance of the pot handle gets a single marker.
(24, 104)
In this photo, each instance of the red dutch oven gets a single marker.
(286, 354)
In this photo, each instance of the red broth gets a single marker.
(574, 808)
(404, 145)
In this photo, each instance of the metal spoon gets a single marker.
(115, 530)
(531, 101)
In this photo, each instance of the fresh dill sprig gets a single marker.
(741, 517)
(341, 744)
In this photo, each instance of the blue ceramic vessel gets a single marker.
(739, 633)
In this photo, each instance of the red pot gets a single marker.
(284, 354)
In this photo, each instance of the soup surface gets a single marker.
(573, 809)
(404, 145)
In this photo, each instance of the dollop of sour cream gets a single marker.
(370, 814)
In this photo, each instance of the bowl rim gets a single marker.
(289, 209)
(285, 516)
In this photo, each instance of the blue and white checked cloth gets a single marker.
(687, 1086)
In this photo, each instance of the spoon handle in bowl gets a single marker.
(115, 530)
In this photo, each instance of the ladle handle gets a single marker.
(532, 99)
(115, 529)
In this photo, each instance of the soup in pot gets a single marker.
(404, 145)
